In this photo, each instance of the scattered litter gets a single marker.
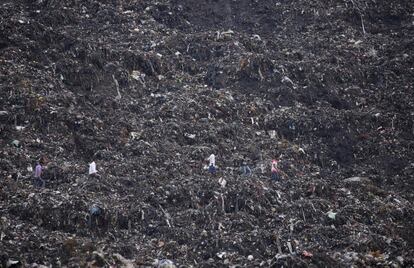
(331, 214)
(307, 254)
(16, 143)
(165, 264)
(357, 179)
(11, 263)
(222, 182)
(190, 136)
(149, 89)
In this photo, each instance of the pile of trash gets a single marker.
(111, 110)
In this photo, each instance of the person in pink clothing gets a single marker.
(275, 170)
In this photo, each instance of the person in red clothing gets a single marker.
(275, 170)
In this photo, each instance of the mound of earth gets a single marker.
(149, 89)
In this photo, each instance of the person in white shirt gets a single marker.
(92, 169)
(212, 164)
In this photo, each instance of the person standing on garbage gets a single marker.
(38, 181)
(246, 171)
(95, 213)
(275, 170)
(92, 169)
(212, 164)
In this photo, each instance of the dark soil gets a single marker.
(149, 89)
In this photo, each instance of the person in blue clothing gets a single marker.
(95, 213)
(246, 171)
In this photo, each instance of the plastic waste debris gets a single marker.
(357, 179)
(12, 263)
(16, 143)
(331, 214)
(272, 134)
(222, 182)
(307, 254)
(165, 263)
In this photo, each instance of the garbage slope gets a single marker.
(149, 89)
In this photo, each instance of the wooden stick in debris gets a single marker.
(222, 203)
(303, 214)
(314, 209)
(289, 245)
(118, 97)
(151, 66)
(167, 216)
(279, 247)
(362, 22)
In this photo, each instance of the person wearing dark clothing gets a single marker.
(246, 171)
(95, 213)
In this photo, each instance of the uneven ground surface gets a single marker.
(148, 89)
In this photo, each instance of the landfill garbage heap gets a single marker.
(147, 90)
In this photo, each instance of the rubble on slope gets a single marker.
(149, 89)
